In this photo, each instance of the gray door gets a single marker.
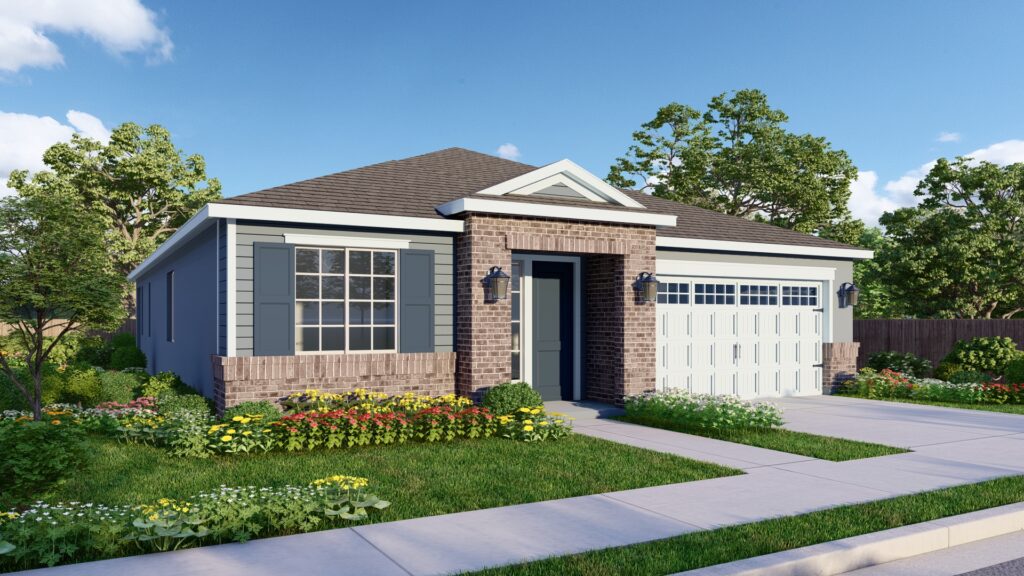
(552, 330)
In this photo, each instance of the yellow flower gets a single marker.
(524, 410)
(558, 421)
(225, 438)
(55, 422)
(236, 419)
(527, 421)
(543, 423)
(266, 429)
(231, 431)
(247, 433)
(528, 428)
(535, 411)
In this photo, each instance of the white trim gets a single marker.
(346, 241)
(673, 267)
(761, 248)
(186, 232)
(327, 217)
(554, 211)
(526, 317)
(217, 291)
(232, 264)
(570, 170)
(556, 180)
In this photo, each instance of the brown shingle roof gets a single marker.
(415, 186)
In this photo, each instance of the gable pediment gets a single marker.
(563, 179)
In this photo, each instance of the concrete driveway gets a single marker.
(950, 447)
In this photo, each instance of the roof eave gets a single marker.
(559, 212)
(763, 248)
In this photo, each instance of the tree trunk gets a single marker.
(37, 400)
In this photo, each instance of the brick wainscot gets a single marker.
(242, 378)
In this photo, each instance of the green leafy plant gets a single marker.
(703, 411)
(509, 397)
(92, 350)
(117, 386)
(532, 424)
(946, 370)
(162, 384)
(127, 357)
(82, 386)
(969, 377)
(36, 455)
(176, 404)
(1014, 373)
(904, 362)
(267, 410)
(989, 354)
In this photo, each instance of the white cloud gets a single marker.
(26, 137)
(509, 151)
(1002, 153)
(865, 201)
(120, 26)
(949, 137)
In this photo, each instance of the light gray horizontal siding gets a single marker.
(444, 273)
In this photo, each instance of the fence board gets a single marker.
(127, 327)
(931, 339)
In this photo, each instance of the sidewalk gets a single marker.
(951, 447)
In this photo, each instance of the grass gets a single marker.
(700, 549)
(813, 445)
(419, 479)
(1004, 408)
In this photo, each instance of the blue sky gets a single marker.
(273, 92)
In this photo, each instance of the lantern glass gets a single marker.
(496, 284)
(648, 287)
(852, 294)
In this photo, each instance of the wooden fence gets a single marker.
(128, 326)
(931, 339)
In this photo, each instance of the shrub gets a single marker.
(989, 354)
(122, 340)
(81, 386)
(92, 350)
(1014, 372)
(946, 370)
(127, 357)
(703, 411)
(75, 531)
(171, 405)
(508, 398)
(36, 455)
(267, 410)
(969, 377)
(117, 387)
(904, 362)
(163, 384)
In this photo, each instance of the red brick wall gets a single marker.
(619, 346)
(839, 363)
(241, 378)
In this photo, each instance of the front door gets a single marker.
(552, 330)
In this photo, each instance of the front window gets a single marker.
(345, 300)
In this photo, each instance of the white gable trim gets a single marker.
(762, 248)
(559, 212)
(570, 174)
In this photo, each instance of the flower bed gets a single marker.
(890, 385)
(703, 411)
(46, 535)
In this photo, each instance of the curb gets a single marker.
(839, 556)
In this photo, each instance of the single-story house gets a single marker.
(381, 278)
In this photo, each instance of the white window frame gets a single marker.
(347, 326)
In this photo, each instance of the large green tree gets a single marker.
(960, 252)
(140, 185)
(876, 298)
(737, 157)
(55, 276)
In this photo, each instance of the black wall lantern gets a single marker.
(848, 294)
(647, 287)
(496, 285)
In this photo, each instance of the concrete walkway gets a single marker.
(950, 447)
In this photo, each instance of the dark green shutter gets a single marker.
(416, 301)
(273, 275)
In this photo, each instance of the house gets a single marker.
(375, 278)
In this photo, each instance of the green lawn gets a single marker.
(1005, 408)
(699, 549)
(823, 447)
(419, 479)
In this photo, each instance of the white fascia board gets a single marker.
(570, 169)
(698, 268)
(186, 232)
(761, 248)
(554, 211)
(346, 241)
(325, 217)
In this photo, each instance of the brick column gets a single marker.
(839, 364)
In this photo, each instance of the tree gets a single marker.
(141, 186)
(876, 298)
(737, 158)
(959, 254)
(55, 274)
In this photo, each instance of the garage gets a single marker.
(742, 336)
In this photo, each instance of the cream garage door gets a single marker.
(749, 338)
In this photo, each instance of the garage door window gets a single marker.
(799, 296)
(714, 294)
(759, 295)
(673, 292)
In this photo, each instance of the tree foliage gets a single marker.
(139, 183)
(876, 297)
(738, 158)
(55, 274)
(959, 254)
